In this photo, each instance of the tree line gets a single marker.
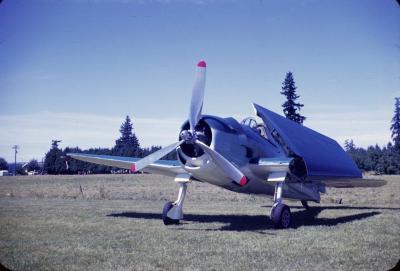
(385, 160)
(56, 161)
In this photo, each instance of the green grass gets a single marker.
(47, 223)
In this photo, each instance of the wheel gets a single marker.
(281, 216)
(168, 221)
(286, 217)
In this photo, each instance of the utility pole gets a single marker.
(15, 148)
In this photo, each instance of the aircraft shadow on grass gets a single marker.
(262, 222)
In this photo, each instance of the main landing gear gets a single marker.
(280, 213)
(172, 211)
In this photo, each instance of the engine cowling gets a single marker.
(202, 132)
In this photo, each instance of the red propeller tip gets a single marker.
(202, 64)
(243, 181)
(133, 168)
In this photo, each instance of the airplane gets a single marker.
(275, 157)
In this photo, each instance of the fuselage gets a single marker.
(243, 144)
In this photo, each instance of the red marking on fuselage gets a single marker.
(133, 168)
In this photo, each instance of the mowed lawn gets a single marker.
(113, 222)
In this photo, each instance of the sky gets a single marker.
(72, 70)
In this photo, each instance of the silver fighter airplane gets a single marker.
(276, 157)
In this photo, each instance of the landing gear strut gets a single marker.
(172, 211)
(280, 213)
(305, 204)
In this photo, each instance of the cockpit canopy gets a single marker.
(258, 127)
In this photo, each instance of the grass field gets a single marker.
(113, 222)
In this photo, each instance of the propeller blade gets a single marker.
(233, 172)
(196, 103)
(151, 158)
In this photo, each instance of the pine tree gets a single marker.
(3, 164)
(75, 166)
(374, 157)
(390, 160)
(395, 127)
(349, 145)
(127, 144)
(54, 162)
(33, 165)
(290, 107)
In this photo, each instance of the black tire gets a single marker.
(168, 221)
(281, 216)
(286, 217)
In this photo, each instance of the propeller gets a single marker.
(191, 136)
(233, 172)
(151, 158)
(196, 104)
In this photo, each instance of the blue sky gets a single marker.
(73, 69)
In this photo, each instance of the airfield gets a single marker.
(113, 222)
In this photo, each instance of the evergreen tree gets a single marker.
(3, 164)
(54, 162)
(75, 166)
(395, 127)
(127, 144)
(33, 165)
(170, 156)
(359, 155)
(391, 158)
(349, 145)
(382, 161)
(374, 155)
(20, 170)
(290, 107)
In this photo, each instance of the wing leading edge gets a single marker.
(162, 167)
